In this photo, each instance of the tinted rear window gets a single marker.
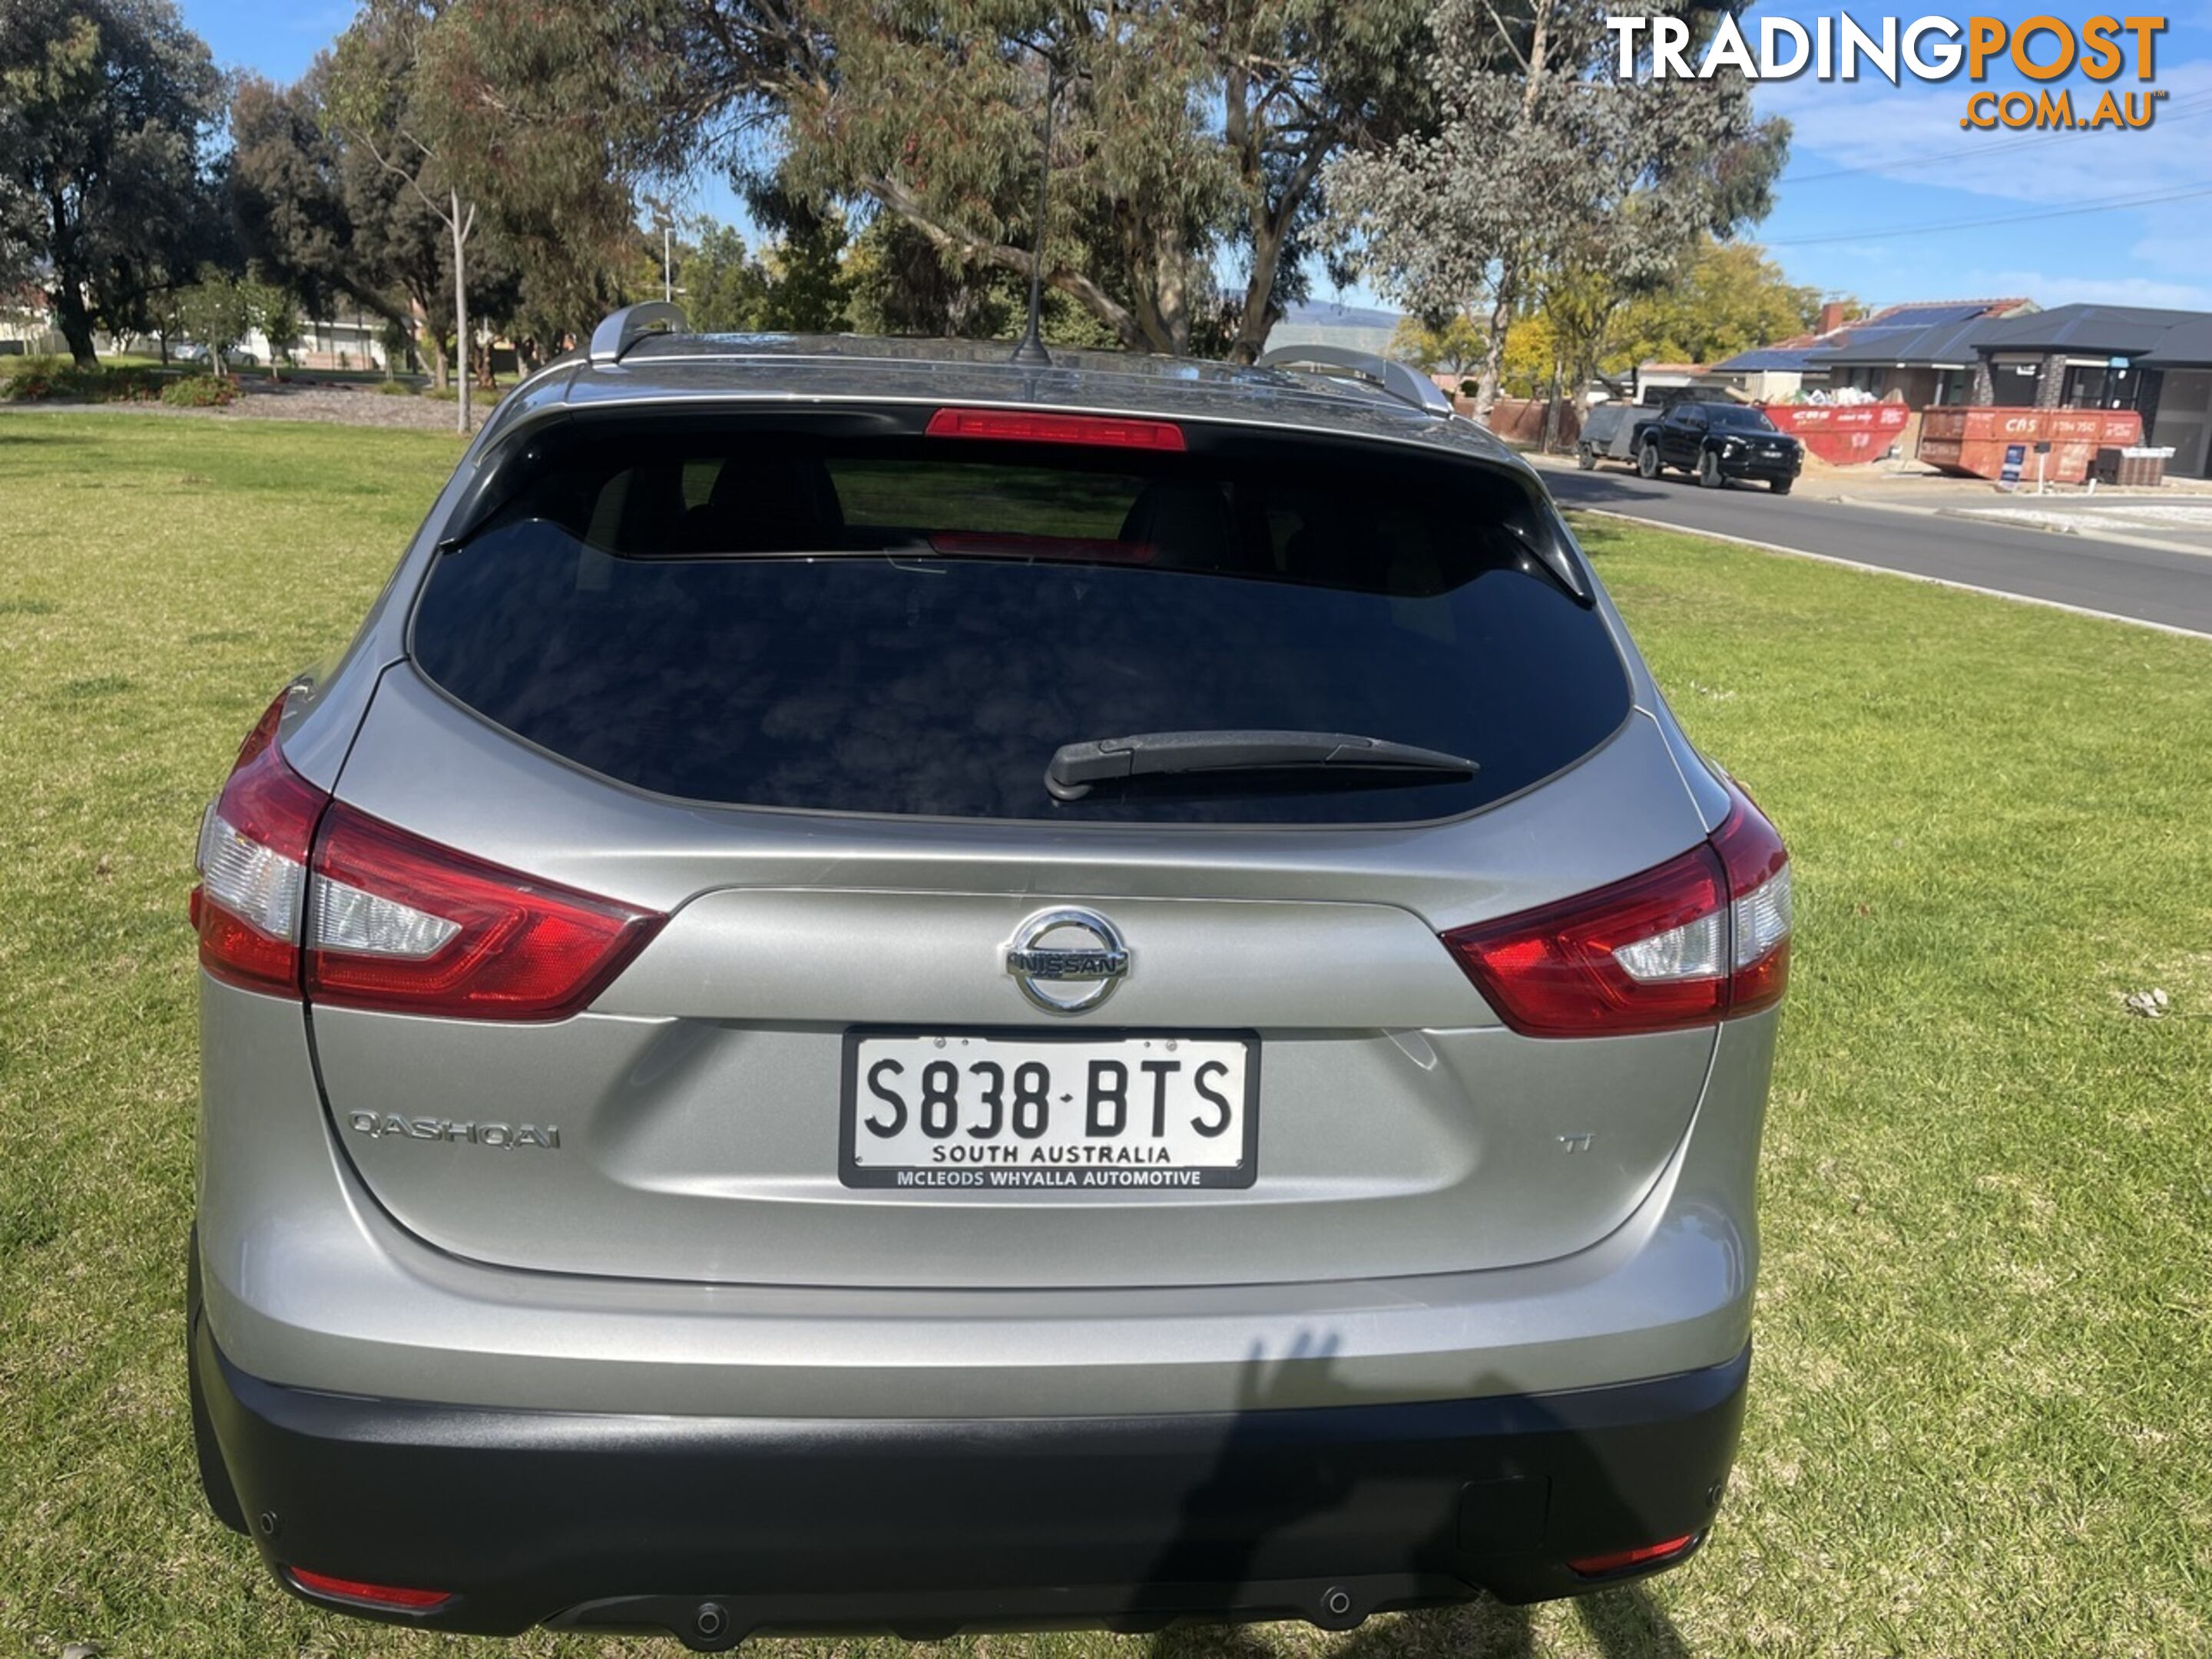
(866, 622)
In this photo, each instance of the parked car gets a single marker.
(1718, 444)
(888, 990)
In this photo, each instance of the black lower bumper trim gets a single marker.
(715, 1527)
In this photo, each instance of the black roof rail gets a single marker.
(1406, 384)
(618, 331)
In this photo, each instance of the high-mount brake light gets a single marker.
(366, 1594)
(302, 895)
(1029, 427)
(1701, 938)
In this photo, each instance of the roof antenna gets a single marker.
(1030, 348)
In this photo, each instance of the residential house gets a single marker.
(2155, 362)
(1921, 356)
(336, 342)
(1915, 353)
(1655, 380)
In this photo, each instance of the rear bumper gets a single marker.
(926, 1526)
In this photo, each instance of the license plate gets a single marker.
(1007, 1110)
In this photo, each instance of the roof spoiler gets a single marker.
(618, 331)
(1398, 381)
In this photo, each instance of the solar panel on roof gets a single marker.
(1929, 316)
(1774, 358)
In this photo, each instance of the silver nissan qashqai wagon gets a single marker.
(892, 989)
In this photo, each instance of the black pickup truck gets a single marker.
(1718, 444)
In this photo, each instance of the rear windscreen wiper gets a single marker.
(1077, 766)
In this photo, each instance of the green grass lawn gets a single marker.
(1983, 1398)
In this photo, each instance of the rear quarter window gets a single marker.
(874, 621)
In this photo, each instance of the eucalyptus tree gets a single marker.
(1549, 173)
(325, 219)
(1184, 136)
(378, 99)
(549, 114)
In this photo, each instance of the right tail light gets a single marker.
(1701, 938)
(304, 896)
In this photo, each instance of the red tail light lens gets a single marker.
(253, 865)
(371, 1596)
(1643, 1555)
(298, 892)
(402, 924)
(1702, 937)
(1027, 427)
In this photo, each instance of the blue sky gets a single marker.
(1882, 186)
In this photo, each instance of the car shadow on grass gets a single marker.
(1622, 1623)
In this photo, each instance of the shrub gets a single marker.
(132, 384)
(200, 391)
(25, 380)
(395, 389)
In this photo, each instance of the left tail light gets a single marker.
(305, 894)
(254, 844)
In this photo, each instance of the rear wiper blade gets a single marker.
(1077, 766)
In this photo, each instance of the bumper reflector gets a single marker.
(1644, 1555)
(371, 1596)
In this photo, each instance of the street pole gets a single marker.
(667, 270)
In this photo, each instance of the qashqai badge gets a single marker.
(1068, 961)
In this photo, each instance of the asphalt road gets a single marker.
(2146, 584)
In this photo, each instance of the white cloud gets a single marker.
(2049, 291)
(2183, 252)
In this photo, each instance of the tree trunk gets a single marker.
(1494, 345)
(75, 323)
(953, 238)
(1270, 233)
(460, 310)
(429, 344)
(1585, 368)
(1167, 318)
(1501, 311)
(1257, 318)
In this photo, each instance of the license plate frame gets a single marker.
(852, 1174)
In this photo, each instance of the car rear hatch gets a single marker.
(785, 695)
